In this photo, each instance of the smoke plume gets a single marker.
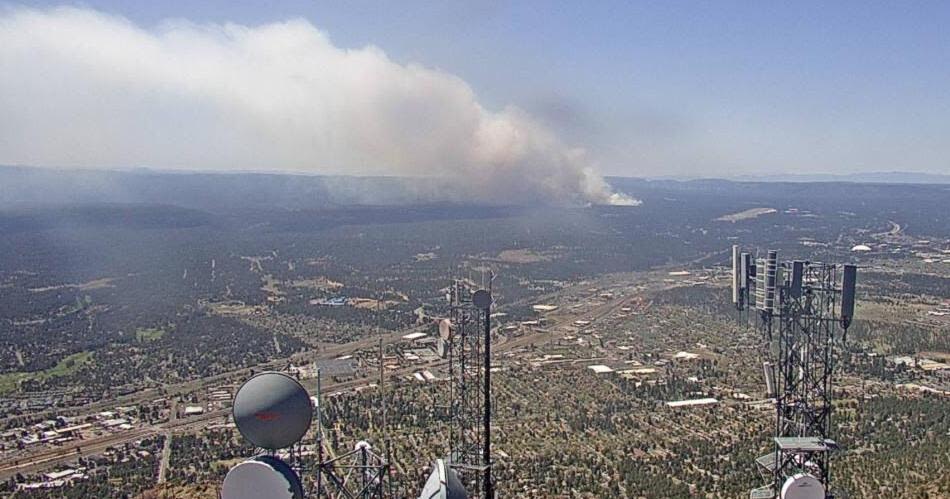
(81, 88)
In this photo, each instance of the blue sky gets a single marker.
(668, 88)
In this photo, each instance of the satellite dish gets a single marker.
(803, 486)
(263, 476)
(482, 299)
(445, 329)
(443, 483)
(272, 410)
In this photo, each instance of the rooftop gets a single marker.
(683, 403)
(762, 493)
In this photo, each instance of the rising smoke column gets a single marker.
(86, 89)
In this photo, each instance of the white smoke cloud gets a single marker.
(81, 88)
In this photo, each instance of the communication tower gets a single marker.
(467, 336)
(273, 412)
(799, 306)
(361, 473)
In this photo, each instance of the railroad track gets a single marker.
(50, 457)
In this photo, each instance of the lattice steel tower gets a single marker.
(358, 474)
(799, 308)
(468, 346)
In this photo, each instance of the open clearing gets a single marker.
(68, 365)
(746, 215)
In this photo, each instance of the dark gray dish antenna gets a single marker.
(482, 299)
(272, 410)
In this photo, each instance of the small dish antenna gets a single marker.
(803, 486)
(445, 329)
(263, 476)
(272, 410)
(482, 299)
(443, 483)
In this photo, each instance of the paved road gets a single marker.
(49, 457)
(166, 456)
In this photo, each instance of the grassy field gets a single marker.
(149, 334)
(9, 382)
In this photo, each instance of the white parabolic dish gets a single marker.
(445, 329)
(803, 486)
(262, 477)
(443, 483)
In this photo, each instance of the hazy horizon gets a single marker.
(561, 96)
(765, 177)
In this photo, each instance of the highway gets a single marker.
(50, 457)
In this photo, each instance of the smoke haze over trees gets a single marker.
(80, 88)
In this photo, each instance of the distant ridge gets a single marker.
(24, 187)
(872, 177)
(862, 178)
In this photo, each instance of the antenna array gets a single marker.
(799, 307)
(358, 474)
(274, 412)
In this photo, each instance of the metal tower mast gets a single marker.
(469, 354)
(358, 474)
(800, 306)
